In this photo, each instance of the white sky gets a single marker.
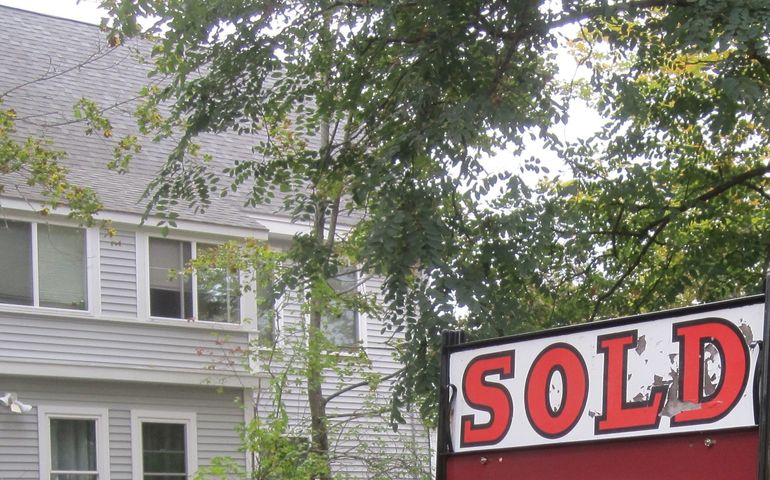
(84, 10)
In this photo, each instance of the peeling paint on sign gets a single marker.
(669, 375)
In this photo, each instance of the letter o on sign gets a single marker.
(562, 358)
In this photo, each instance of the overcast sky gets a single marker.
(85, 10)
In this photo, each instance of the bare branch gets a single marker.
(50, 74)
(360, 384)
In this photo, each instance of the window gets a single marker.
(163, 450)
(73, 449)
(43, 265)
(218, 293)
(267, 321)
(163, 445)
(211, 295)
(73, 443)
(341, 328)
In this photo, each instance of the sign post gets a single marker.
(672, 394)
(446, 398)
(763, 399)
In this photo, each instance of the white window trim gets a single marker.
(247, 301)
(44, 415)
(92, 271)
(189, 419)
(362, 318)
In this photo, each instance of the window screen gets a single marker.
(218, 293)
(163, 451)
(16, 263)
(341, 329)
(73, 449)
(62, 267)
(170, 294)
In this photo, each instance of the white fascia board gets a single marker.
(214, 327)
(281, 226)
(30, 209)
(89, 371)
(286, 227)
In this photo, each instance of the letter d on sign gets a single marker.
(734, 356)
(489, 397)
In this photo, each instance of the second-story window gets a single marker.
(218, 293)
(43, 265)
(267, 322)
(341, 327)
(211, 295)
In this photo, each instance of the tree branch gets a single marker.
(99, 54)
(578, 15)
(360, 384)
(629, 270)
(740, 179)
(657, 226)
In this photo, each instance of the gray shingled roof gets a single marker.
(41, 71)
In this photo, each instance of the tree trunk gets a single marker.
(318, 426)
(315, 375)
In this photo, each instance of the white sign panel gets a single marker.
(682, 373)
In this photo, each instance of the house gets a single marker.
(109, 367)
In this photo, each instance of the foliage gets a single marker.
(381, 110)
(35, 162)
(39, 165)
(373, 115)
(671, 193)
(277, 436)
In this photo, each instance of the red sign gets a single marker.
(683, 374)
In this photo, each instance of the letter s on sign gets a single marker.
(486, 396)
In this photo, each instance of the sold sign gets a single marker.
(680, 371)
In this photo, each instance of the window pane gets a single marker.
(164, 462)
(15, 263)
(62, 267)
(218, 293)
(170, 296)
(163, 449)
(266, 312)
(73, 445)
(342, 329)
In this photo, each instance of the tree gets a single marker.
(37, 164)
(672, 191)
(31, 163)
(356, 110)
(382, 110)
(666, 204)
(277, 435)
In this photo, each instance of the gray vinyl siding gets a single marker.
(118, 274)
(407, 446)
(18, 444)
(41, 340)
(218, 416)
(364, 440)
